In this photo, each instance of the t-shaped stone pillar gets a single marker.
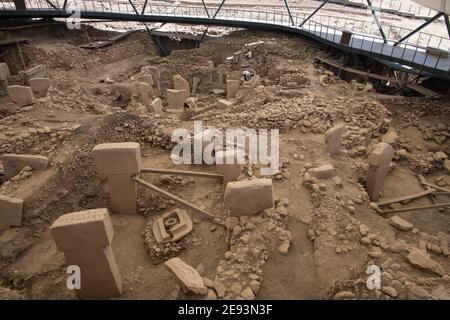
(85, 238)
(379, 161)
(119, 162)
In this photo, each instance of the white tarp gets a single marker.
(438, 5)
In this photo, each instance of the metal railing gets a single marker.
(325, 28)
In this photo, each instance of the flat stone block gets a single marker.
(82, 230)
(10, 212)
(188, 277)
(176, 98)
(323, 172)
(117, 158)
(13, 163)
(40, 86)
(21, 95)
(248, 197)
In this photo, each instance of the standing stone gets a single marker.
(4, 74)
(220, 73)
(333, 139)
(14, 163)
(179, 83)
(232, 88)
(195, 83)
(85, 238)
(21, 95)
(237, 57)
(40, 86)
(176, 98)
(10, 212)
(144, 91)
(248, 197)
(379, 161)
(156, 75)
(226, 164)
(119, 162)
(211, 71)
(156, 106)
(147, 78)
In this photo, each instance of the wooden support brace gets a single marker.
(431, 206)
(405, 198)
(183, 173)
(179, 200)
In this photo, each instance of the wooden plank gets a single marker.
(359, 72)
(408, 197)
(183, 173)
(14, 41)
(435, 187)
(431, 206)
(179, 200)
(425, 91)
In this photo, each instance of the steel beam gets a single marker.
(143, 8)
(447, 23)
(419, 28)
(20, 4)
(51, 4)
(218, 9)
(289, 11)
(206, 8)
(314, 12)
(65, 5)
(380, 27)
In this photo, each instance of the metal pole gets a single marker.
(206, 8)
(289, 11)
(218, 9)
(177, 199)
(419, 28)
(50, 3)
(369, 2)
(183, 173)
(214, 16)
(447, 23)
(312, 14)
(143, 8)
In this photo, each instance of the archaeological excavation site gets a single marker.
(224, 150)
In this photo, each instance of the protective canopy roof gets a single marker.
(438, 5)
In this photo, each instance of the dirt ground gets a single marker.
(332, 229)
